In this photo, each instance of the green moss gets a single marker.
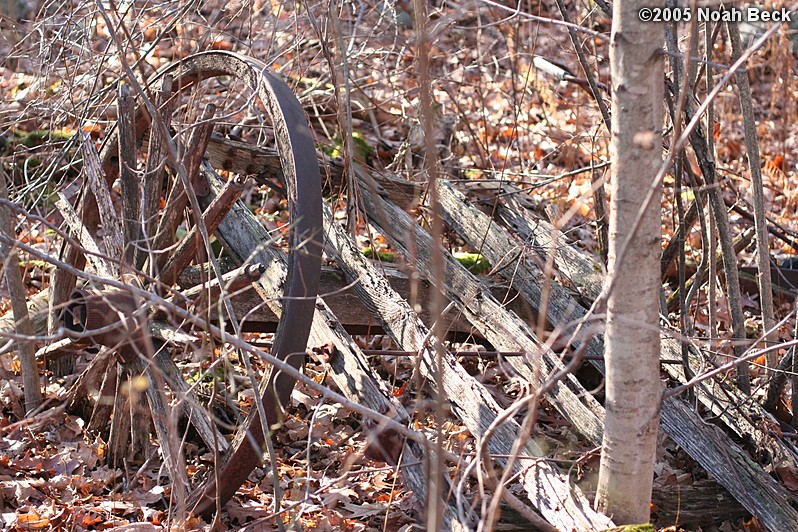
(361, 150)
(473, 173)
(36, 263)
(643, 527)
(474, 262)
(384, 256)
(206, 377)
(38, 137)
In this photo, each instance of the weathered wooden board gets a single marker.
(717, 453)
(244, 237)
(548, 489)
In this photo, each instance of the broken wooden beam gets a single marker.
(548, 489)
(747, 481)
(243, 236)
(337, 293)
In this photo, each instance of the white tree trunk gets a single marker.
(632, 335)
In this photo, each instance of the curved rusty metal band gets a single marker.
(303, 189)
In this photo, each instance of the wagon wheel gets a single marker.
(106, 309)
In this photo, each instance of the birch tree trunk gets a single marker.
(632, 334)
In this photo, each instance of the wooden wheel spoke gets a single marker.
(149, 242)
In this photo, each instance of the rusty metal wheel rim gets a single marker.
(303, 191)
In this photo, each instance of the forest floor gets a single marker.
(497, 116)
